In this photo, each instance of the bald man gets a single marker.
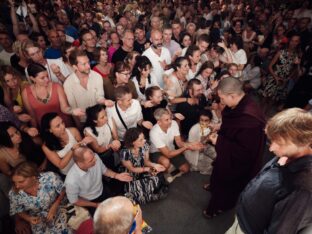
(159, 56)
(117, 215)
(84, 186)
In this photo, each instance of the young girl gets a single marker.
(103, 130)
(147, 185)
(201, 160)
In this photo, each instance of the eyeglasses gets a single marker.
(134, 224)
(125, 74)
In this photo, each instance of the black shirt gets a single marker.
(191, 113)
(119, 55)
(148, 113)
(278, 199)
(140, 48)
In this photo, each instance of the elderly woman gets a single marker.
(36, 198)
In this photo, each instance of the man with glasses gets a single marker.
(127, 46)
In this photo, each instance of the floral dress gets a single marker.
(144, 187)
(50, 186)
(283, 68)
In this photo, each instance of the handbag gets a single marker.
(76, 215)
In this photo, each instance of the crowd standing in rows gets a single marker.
(143, 92)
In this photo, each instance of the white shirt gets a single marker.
(61, 153)
(78, 96)
(158, 71)
(141, 96)
(85, 184)
(64, 69)
(59, 62)
(192, 74)
(252, 74)
(104, 136)
(131, 117)
(5, 58)
(160, 139)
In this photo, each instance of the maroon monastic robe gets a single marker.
(239, 150)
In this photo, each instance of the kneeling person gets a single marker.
(163, 136)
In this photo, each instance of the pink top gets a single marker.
(110, 52)
(53, 105)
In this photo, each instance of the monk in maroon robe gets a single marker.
(239, 146)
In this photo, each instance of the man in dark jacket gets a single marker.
(279, 198)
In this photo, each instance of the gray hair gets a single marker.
(113, 216)
(230, 85)
(160, 112)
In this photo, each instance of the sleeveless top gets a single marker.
(6, 156)
(53, 105)
(61, 153)
(104, 136)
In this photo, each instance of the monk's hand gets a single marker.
(213, 138)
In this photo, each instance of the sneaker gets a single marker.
(169, 178)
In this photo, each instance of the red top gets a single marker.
(53, 105)
(104, 76)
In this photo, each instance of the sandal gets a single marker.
(206, 187)
(208, 216)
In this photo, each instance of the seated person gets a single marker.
(36, 198)
(84, 186)
(17, 147)
(117, 215)
(127, 112)
(201, 160)
(163, 136)
(59, 141)
(194, 91)
(141, 76)
(146, 186)
(104, 132)
(154, 100)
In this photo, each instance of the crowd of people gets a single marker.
(106, 98)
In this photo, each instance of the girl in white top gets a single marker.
(102, 129)
(141, 76)
(201, 159)
(59, 142)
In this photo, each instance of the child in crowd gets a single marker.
(201, 160)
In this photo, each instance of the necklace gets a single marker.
(43, 100)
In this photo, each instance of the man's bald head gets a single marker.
(114, 216)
